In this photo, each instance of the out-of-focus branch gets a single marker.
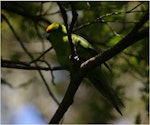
(25, 66)
(100, 19)
(41, 55)
(30, 16)
(69, 29)
(4, 82)
(31, 57)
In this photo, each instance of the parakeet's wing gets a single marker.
(83, 48)
(97, 77)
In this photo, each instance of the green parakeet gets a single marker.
(57, 35)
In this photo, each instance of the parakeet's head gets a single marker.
(54, 30)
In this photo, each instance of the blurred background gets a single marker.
(24, 96)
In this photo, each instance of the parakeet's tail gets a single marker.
(97, 78)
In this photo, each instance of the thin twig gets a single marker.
(25, 66)
(51, 71)
(64, 14)
(3, 81)
(41, 55)
(99, 19)
(74, 19)
(69, 29)
(18, 39)
(114, 32)
(32, 17)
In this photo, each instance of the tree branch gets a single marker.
(116, 49)
(86, 67)
(26, 14)
(41, 55)
(69, 29)
(25, 66)
(76, 79)
(100, 19)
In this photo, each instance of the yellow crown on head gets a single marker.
(52, 26)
